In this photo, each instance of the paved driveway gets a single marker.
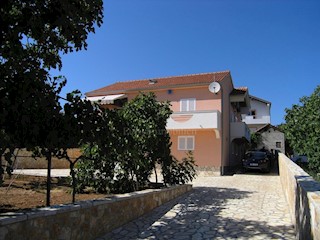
(248, 206)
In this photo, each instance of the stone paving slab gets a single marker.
(248, 206)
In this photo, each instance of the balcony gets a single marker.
(256, 120)
(239, 130)
(194, 120)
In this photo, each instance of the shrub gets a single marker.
(180, 172)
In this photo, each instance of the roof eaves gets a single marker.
(263, 127)
(260, 99)
(96, 94)
(267, 126)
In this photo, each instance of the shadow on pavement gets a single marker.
(196, 215)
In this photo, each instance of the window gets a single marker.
(278, 144)
(188, 104)
(186, 143)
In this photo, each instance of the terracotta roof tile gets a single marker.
(243, 89)
(266, 127)
(174, 81)
(239, 90)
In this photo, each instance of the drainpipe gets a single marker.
(222, 171)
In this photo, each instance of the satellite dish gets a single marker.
(214, 87)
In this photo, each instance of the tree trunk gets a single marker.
(155, 172)
(73, 175)
(48, 156)
(1, 170)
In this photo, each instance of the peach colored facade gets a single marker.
(207, 143)
(207, 149)
(203, 126)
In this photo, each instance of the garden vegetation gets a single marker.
(302, 130)
(120, 148)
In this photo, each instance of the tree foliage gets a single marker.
(144, 120)
(38, 31)
(302, 128)
(288, 148)
(34, 35)
(255, 140)
(81, 123)
(180, 172)
(120, 148)
(125, 162)
(138, 142)
(96, 168)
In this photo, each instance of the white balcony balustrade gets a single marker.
(239, 130)
(256, 119)
(194, 120)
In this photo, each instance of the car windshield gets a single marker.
(256, 154)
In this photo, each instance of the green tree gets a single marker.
(96, 168)
(134, 142)
(145, 121)
(288, 148)
(81, 123)
(37, 124)
(179, 171)
(255, 140)
(33, 36)
(302, 128)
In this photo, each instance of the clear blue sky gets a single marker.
(270, 46)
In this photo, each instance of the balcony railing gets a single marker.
(256, 120)
(239, 130)
(194, 120)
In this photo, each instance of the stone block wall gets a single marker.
(86, 219)
(303, 197)
(269, 139)
(208, 171)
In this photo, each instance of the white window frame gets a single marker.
(185, 143)
(188, 100)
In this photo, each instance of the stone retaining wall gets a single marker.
(303, 196)
(86, 219)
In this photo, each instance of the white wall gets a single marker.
(262, 109)
(262, 113)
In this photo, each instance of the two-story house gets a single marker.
(205, 121)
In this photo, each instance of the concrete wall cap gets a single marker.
(12, 218)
